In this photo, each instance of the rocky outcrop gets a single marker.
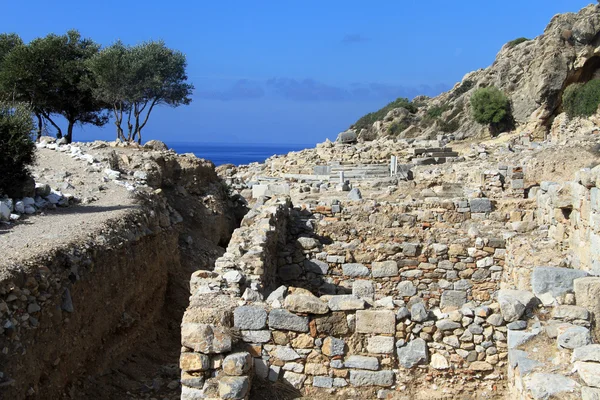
(532, 73)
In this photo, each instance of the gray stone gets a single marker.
(453, 299)
(233, 387)
(544, 386)
(587, 353)
(261, 368)
(375, 321)
(517, 325)
(372, 378)
(410, 249)
(249, 318)
(283, 319)
(277, 295)
(362, 362)
(347, 137)
(497, 320)
(307, 243)
(346, 302)
(256, 336)
(554, 280)
(237, 364)
(284, 353)
(513, 303)
(480, 205)
(380, 345)
(519, 358)
(363, 289)
(322, 381)
(517, 338)
(406, 289)
(355, 270)
(355, 194)
(316, 266)
(402, 313)
(447, 325)
(570, 313)
(418, 313)
(192, 393)
(384, 269)
(294, 379)
(339, 382)
(574, 337)
(414, 353)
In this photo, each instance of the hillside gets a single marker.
(532, 73)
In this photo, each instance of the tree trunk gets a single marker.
(58, 130)
(69, 135)
(40, 126)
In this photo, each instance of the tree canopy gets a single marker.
(490, 106)
(135, 79)
(72, 77)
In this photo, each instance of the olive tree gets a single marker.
(51, 75)
(136, 79)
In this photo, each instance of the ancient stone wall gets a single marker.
(347, 317)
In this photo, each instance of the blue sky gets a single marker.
(290, 71)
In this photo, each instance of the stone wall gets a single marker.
(291, 302)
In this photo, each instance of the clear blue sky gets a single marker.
(294, 71)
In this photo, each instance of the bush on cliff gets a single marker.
(517, 41)
(490, 106)
(582, 99)
(366, 121)
(17, 150)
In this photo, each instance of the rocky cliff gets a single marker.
(532, 73)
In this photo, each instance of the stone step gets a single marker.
(418, 151)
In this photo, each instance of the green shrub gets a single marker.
(17, 150)
(517, 41)
(367, 121)
(581, 99)
(464, 87)
(397, 127)
(436, 111)
(490, 106)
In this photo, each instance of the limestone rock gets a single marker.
(306, 303)
(513, 303)
(384, 269)
(439, 362)
(355, 270)
(414, 353)
(589, 372)
(544, 386)
(237, 364)
(233, 387)
(375, 321)
(587, 353)
(362, 362)
(574, 337)
(250, 318)
(333, 347)
(372, 378)
(554, 280)
(345, 302)
(380, 345)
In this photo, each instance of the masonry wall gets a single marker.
(368, 322)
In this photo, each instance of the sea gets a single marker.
(235, 153)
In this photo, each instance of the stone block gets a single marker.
(587, 353)
(406, 289)
(237, 364)
(346, 302)
(372, 378)
(283, 319)
(414, 353)
(554, 280)
(305, 303)
(355, 270)
(194, 362)
(316, 266)
(587, 293)
(234, 387)
(205, 338)
(546, 386)
(513, 303)
(322, 381)
(480, 205)
(362, 362)
(384, 269)
(333, 347)
(452, 300)
(375, 321)
(249, 318)
(574, 337)
(380, 345)
(332, 324)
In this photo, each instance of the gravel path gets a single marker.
(39, 233)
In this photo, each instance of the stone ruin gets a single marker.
(361, 299)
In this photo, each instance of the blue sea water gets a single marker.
(235, 153)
